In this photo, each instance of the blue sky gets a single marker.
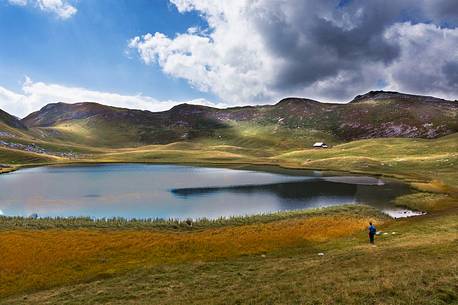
(153, 54)
(88, 49)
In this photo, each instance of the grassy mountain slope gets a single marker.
(100, 125)
(375, 114)
(11, 126)
(11, 121)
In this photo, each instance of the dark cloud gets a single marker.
(444, 12)
(317, 39)
(320, 40)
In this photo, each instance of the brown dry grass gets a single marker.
(42, 259)
(414, 266)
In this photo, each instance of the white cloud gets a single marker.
(228, 61)
(259, 51)
(18, 2)
(61, 8)
(35, 95)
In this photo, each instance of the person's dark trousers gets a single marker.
(371, 238)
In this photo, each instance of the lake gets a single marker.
(174, 191)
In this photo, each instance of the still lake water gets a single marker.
(172, 191)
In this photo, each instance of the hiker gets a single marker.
(372, 231)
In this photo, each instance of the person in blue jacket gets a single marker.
(372, 231)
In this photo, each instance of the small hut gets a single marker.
(320, 145)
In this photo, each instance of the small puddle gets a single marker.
(402, 213)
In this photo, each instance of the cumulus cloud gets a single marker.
(61, 8)
(225, 60)
(35, 95)
(259, 51)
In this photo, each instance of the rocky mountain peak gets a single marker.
(393, 95)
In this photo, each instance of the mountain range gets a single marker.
(376, 114)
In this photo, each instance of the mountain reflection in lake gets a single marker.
(170, 191)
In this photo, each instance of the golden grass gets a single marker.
(414, 266)
(4, 170)
(19, 157)
(431, 202)
(76, 129)
(433, 186)
(42, 259)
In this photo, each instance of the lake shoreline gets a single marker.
(46, 223)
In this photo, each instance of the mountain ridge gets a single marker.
(384, 95)
(376, 114)
(376, 95)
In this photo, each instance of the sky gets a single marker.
(153, 54)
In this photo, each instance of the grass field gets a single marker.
(266, 259)
(21, 158)
(265, 263)
(407, 158)
(62, 256)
